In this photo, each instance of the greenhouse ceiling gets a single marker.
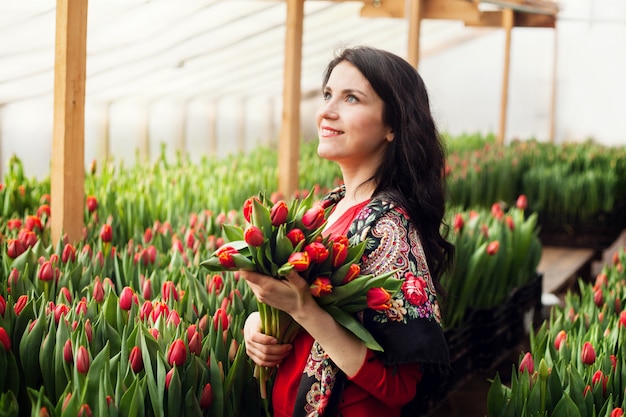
(194, 49)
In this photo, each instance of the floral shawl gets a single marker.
(409, 332)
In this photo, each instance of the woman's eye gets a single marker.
(326, 95)
(351, 99)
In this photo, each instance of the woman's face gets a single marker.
(350, 120)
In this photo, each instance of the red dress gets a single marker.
(376, 390)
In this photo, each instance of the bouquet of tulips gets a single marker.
(279, 238)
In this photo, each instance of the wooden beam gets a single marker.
(383, 8)
(507, 24)
(67, 180)
(289, 143)
(415, 24)
(451, 10)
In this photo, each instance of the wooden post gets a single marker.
(508, 16)
(415, 24)
(289, 142)
(67, 180)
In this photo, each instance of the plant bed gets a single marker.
(460, 342)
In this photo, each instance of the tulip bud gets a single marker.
(68, 354)
(622, 319)
(20, 304)
(496, 210)
(92, 204)
(106, 233)
(598, 297)
(588, 354)
(28, 238)
(321, 286)
(14, 224)
(46, 272)
(168, 378)
(15, 248)
(82, 360)
(509, 222)
(340, 253)
(253, 236)
(299, 260)
(195, 344)
(493, 247)
(173, 318)
(353, 271)
(43, 412)
(135, 359)
(216, 284)
(98, 291)
(317, 252)
(88, 330)
(278, 213)
(33, 223)
(84, 411)
(68, 254)
(458, 222)
(206, 399)
(168, 290)
(220, 316)
(3, 305)
(527, 364)
(378, 299)
(295, 236)
(521, 202)
(155, 333)
(177, 353)
(247, 208)
(126, 298)
(617, 412)
(5, 340)
(559, 339)
(313, 218)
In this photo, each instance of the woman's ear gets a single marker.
(390, 135)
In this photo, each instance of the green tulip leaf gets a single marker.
(351, 323)
(566, 407)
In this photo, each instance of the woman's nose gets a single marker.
(328, 110)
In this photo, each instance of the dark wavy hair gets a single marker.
(412, 173)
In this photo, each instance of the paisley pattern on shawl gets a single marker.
(409, 332)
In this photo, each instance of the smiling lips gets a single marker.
(327, 131)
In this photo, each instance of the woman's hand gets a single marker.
(289, 294)
(264, 350)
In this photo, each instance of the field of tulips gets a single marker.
(576, 365)
(128, 322)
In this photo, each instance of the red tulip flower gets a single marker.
(177, 353)
(493, 247)
(168, 290)
(135, 359)
(220, 316)
(353, 271)
(14, 224)
(588, 354)
(313, 218)
(82, 360)
(206, 398)
(47, 272)
(622, 319)
(43, 209)
(559, 339)
(321, 286)
(20, 304)
(521, 202)
(32, 223)
(106, 233)
(5, 340)
(92, 203)
(68, 254)
(617, 412)
(317, 252)
(98, 291)
(84, 411)
(299, 260)
(173, 318)
(247, 208)
(68, 354)
(295, 236)
(253, 236)
(195, 344)
(127, 298)
(225, 256)
(3, 305)
(378, 299)
(278, 213)
(458, 222)
(527, 364)
(15, 248)
(340, 253)
(168, 378)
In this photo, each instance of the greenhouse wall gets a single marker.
(464, 81)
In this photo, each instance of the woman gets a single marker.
(374, 122)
